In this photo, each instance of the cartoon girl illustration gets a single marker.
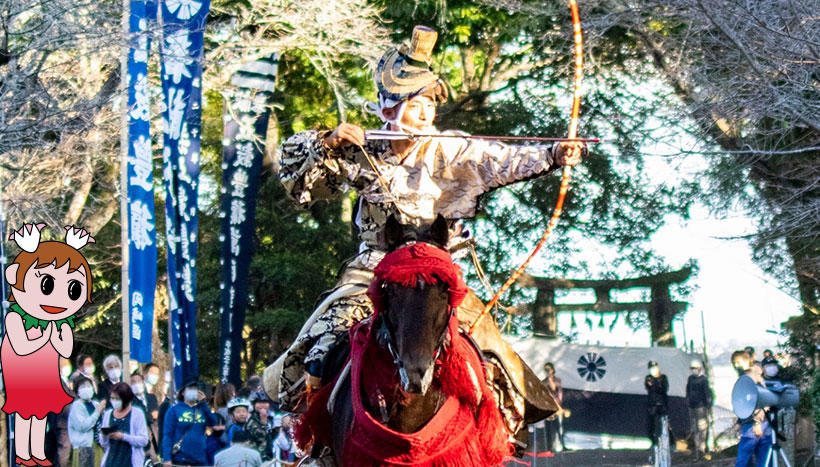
(50, 282)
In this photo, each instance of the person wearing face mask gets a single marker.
(699, 400)
(112, 365)
(124, 433)
(148, 404)
(153, 375)
(657, 402)
(771, 368)
(82, 417)
(183, 435)
(85, 369)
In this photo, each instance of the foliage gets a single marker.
(804, 334)
(737, 78)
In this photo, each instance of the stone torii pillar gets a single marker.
(661, 309)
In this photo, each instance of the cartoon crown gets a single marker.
(28, 237)
(77, 238)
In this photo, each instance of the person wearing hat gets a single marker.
(412, 179)
(260, 425)
(657, 402)
(239, 411)
(183, 436)
(240, 454)
(699, 401)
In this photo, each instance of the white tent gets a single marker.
(604, 386)
(605, 369)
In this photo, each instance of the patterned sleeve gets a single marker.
(496, 164)
(310, 170)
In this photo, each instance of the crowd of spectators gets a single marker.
(121, 418)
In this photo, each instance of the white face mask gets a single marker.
(114, 373)
(152, 379)
(191, 395)
(138, 388)
(89, 370)
(85, 392)
(770, 371)
(695, 371)
(116, 404)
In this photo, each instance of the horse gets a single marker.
(417, 375)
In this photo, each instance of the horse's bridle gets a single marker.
(384, 335)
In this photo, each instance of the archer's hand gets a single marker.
(344, 135)
(569, 153)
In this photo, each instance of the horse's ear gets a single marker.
(440, 231)
(393, 232)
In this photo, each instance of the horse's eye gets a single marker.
(47, 284)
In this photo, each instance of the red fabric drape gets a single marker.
(466, 431)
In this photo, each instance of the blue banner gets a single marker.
(183, 28)
(142, 238)
(246, 115)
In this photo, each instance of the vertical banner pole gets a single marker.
(126, 350)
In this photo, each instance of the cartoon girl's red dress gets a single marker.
(32, 382)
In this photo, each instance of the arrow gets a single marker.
(400, 135)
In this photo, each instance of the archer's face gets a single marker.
(419, 113)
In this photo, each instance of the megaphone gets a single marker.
(748, 396)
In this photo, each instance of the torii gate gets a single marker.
(661, 309)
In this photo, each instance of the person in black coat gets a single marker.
(699, 400)
(657, 401)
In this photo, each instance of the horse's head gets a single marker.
(415, 283)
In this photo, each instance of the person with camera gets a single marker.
(183, 437)
(755, 430)
(124, 433)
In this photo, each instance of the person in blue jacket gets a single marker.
(183, 431)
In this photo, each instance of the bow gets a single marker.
(573, 131)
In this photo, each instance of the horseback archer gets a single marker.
(413, 179)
